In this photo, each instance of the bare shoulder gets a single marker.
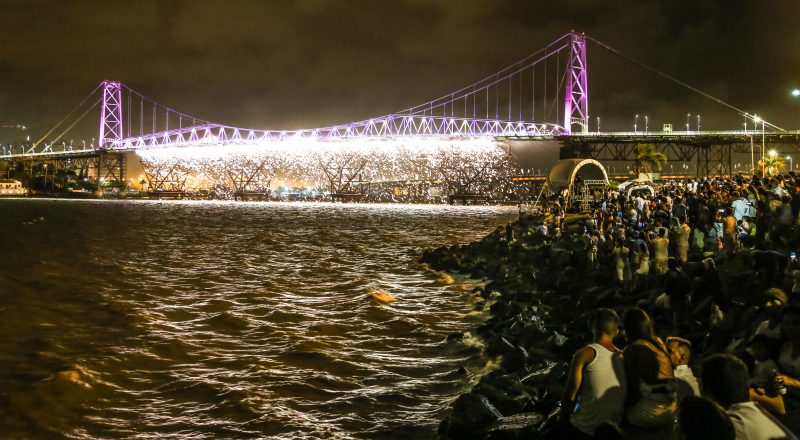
(584, 355)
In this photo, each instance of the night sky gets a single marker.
(306, 63)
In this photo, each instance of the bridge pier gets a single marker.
(164, 179)
(345, 175)
(251, 178)
(467, 181)
(111, 167)
(62, 172)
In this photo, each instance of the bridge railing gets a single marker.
(685, 133)
(392, 126)
(56, 150)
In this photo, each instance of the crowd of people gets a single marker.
(710, 269)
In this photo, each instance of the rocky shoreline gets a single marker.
(538, 303)
(540, 294)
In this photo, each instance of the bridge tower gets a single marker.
(111, 114)
(576, 103)
(111, 166)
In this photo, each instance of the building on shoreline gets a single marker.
(11, 187)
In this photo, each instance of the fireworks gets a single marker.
(308, 163)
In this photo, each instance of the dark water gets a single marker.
(229, 320)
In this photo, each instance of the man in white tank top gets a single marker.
(595, 391)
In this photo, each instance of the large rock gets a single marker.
(507, 393)
(518, 426)
(472, 417)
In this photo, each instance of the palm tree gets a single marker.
(774, 165)
(649, 158)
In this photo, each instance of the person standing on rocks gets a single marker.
(623, 265)
(595, 391)
(679, 209)
(683, 240)
(661, 251)
(677, 287)
(730, 241)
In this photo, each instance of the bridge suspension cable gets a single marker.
(675, 80)
(65, 118)
(508, 89)
(160, 119)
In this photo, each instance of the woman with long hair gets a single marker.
(651, 401)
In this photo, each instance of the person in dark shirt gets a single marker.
(677, 286)
(708, 289)
(679, 209)
(770, 266)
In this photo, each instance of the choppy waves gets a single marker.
(230, 320)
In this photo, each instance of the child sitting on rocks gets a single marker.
(680, 352)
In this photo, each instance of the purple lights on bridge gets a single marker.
(111, 113)
(509, 96)
(576, 102)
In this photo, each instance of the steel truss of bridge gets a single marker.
(101, 166)
(711, 151)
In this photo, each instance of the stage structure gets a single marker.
(575, 180)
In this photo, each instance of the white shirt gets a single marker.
(740, 208)
(750, 422)
(602, 393)
(688, 384)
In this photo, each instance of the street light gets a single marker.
(598, 125)
(796, 92)
(763, 139)
(772, 153)
(688, 115)
(635, 123)
(698, 122)
(645, 123)
(756, 120)
(790, 162)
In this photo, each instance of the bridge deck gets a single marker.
(677, 137)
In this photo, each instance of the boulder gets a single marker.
(514, 360)
(518, 426)
(472, 417)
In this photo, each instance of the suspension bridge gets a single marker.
(456, 144)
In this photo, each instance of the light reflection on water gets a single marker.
(218, 319)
